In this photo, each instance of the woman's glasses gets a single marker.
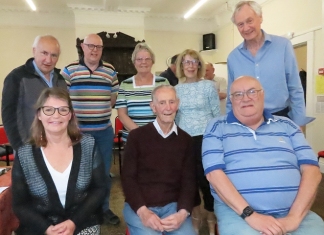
(49, 110)
(190, 62)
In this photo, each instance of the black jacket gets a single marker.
(168, 74)
(21, 89)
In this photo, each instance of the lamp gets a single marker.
(194, 8)
(31, 4)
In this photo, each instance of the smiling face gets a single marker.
(248, 111)
(248, 23)
(165, 105)
(56, 123)
(92, 57)
(143, 61)
(190, 69)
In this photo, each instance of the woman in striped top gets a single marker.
(134, 96)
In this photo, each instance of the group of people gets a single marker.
(253, 166)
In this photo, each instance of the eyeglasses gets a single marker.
(252, 94)
(141, 60)
(92, 46)
(192, 62)
(49, 110)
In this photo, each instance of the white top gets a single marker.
(60, 179)
(159, 130)
(221, 86)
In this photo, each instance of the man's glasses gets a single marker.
(252, 94)
(92, 46)
(141, 60)
(191, 62)
(49, 110)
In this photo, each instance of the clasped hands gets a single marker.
(169, 223)
(268, 225)
(67, 227)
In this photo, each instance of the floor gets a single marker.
(117, 201)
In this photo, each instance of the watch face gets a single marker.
(248, 211)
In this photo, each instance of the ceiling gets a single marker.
(154, 7)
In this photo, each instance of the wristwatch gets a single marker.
(247, 212)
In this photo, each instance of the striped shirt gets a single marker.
(90, 92)
(263, 164)
(137, 101)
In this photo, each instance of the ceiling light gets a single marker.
(194, 8)
(31, 4)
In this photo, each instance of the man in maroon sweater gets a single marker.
(159, 172)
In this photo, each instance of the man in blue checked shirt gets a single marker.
(263, 174)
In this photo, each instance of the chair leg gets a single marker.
(7, 156)
(7, 159)
(119, 155)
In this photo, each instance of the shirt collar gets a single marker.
(158, 128)
(81, 61)
(267, 38)
(40, 73)
(268, 117)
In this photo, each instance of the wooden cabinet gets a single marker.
(117, 51)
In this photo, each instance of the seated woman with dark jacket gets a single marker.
(58, 179)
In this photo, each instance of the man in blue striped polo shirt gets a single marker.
(263, 174)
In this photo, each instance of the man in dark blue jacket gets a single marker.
(23, 85)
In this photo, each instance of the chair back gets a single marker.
(3, 136)
(118, 126)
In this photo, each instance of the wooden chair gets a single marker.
(6, 151)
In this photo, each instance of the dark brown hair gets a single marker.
(38, 135)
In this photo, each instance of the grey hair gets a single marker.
(50, 37)
(142, 46)
(153, 95)
(252, 4)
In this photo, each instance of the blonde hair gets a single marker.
(194, 54)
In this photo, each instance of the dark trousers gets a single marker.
(283, 113)
(201, 178)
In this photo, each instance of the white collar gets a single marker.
(159, 130)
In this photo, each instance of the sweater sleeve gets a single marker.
(21, 202)
(96, 192)
(188, 180)
(133, 195)
(9, 113)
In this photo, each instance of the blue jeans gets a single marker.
(136, 226)
(104, 140)
(230, 223)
